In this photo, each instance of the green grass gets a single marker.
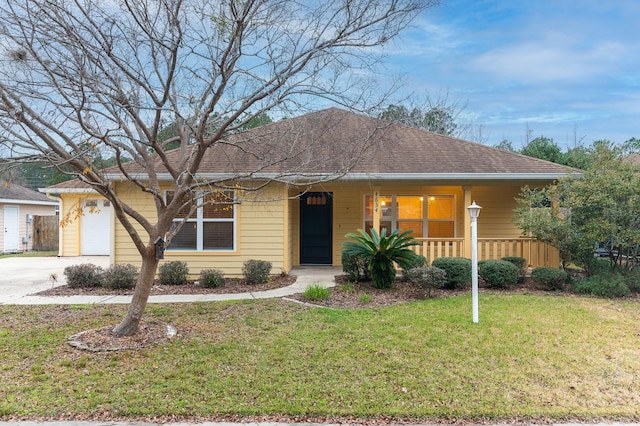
(30, 254)
(315, 292)
(530, 357)
(365, 298)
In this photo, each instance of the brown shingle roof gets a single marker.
(323, 141)
(328, 141)
(71, 184)
(12, 191)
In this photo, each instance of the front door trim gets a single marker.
(316, 228)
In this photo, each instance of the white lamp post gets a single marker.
(474, 212)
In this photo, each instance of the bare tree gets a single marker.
(438, 114)
(81, 74)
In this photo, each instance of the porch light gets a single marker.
(474, 212)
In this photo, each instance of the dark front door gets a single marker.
(316, 212)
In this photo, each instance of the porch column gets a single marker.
(376, 209)
(467, 221)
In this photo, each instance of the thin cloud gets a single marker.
(540, 62)
(557, 67)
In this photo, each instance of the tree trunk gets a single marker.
(131, 322)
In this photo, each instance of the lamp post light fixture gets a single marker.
(474, 212)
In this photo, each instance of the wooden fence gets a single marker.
(535, 252)
(45, 233)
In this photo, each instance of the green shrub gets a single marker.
(173, 273)
(521, 264)
(498, 273)
(211, 278)
(551, 279)
(355, 267)
(429, 277)
(608, 285)
(316, 291)
(597, 266)
(458, 271)
(121, 276)
(382, 252)
(256, 271)
(419, 262)
(83, 276)
(632, 280)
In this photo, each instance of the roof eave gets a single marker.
(367, 176)
(28, 202)
(68, 190)
(457, 176)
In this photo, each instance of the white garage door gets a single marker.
(95, 228)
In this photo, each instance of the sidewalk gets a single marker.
(306, 275)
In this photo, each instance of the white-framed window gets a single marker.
(211, 226)
(428, 216)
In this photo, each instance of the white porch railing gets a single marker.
(434, 248)
(536, 252)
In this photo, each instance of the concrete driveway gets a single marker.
(20, 276)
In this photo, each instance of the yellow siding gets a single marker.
(70, 229)
(267, 225)
(142, 202)
(287, 262)
(260, 232)
(294, 227)
(498, 203)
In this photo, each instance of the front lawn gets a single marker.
(531, 357)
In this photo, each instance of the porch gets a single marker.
(437, 216)
(535, 252)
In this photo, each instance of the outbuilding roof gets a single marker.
(17, 194)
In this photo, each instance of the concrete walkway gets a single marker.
(26, 280)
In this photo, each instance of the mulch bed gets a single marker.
(103, 339)
(359, 295)
(231, 286)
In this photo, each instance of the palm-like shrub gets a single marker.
(381, 251)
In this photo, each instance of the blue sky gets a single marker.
(564, 69)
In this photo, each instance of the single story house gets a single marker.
(18, 206)
(329, 173)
